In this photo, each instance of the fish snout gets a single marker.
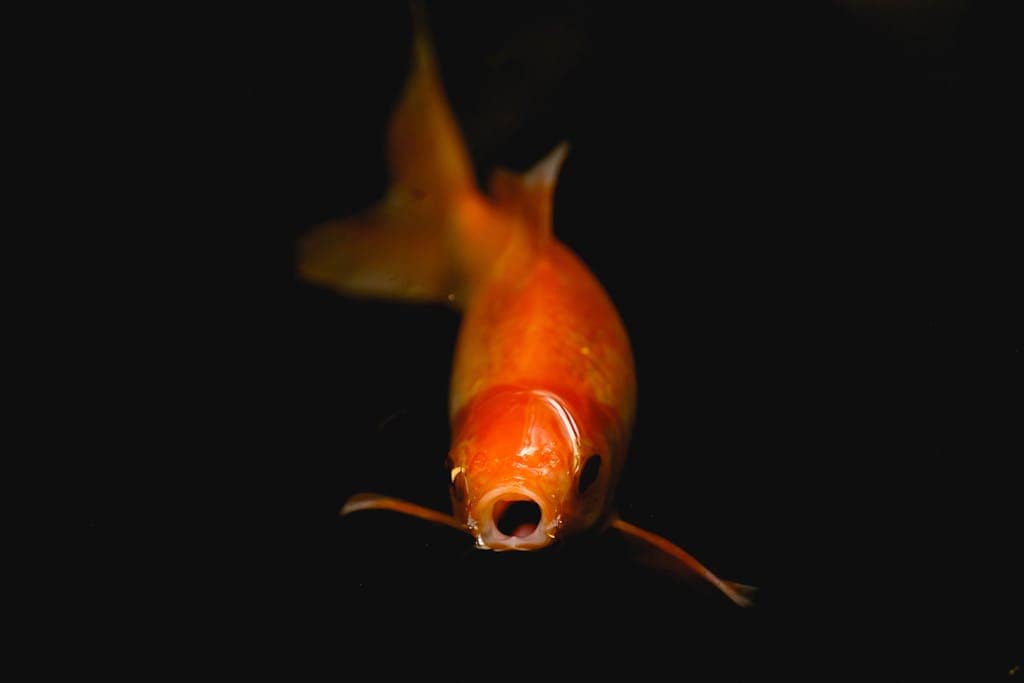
(514, 518)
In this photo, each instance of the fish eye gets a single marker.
(459, 486)
(589, 473)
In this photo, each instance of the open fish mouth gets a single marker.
(514, 518)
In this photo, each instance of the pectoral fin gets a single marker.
(376, 501)
(680, 562)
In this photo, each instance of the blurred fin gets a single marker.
(404, 247)
(376, 501)
(395, 250)
(684, 563)
(531, 194)
(426, 152)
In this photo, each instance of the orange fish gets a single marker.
(543, 389)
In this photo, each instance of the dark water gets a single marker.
(804, 219)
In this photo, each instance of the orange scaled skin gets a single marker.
(543, 379)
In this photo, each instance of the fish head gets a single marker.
(522, 472)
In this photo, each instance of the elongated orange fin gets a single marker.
(376, 501)
(392, 251)
(407, 245)
(531, 194)
(426, 152)
(737, 592)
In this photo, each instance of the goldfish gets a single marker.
(543, 386)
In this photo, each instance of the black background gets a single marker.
(803, 213)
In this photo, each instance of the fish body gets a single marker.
(543, 382)
(543, 387)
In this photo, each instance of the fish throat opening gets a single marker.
(518, 518)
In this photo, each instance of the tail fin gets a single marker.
(402, 248)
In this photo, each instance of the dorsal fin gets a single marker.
(531, 194)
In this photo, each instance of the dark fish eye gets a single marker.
(589, 473)
(459, 486)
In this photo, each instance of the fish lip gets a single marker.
(491, 538)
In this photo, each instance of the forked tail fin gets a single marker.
(402, 248)
(433, 235)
